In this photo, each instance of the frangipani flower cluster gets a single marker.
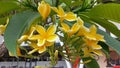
(78, 40)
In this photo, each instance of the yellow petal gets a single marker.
(98, 52)
(56, 54)
(51, 30)
(80, 21)
(75, 27)
(60, 11)
(82, 31)
(70, 16)
(52, 38)
(40, 30)
(65, 27)
(34, 37)
(31, 31)
(7, 21)
(93, 30)
(42, 49)
(22, 38)
(55, 9)
(96, 46)
(34, 45)
(2, 29)
(44, 9)
(41, 42)
(91, 37)
(31, 52)
(49, 43)
(18, 52)
(100, 37)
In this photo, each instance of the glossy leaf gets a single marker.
(111, 42)
(109, 11)
(92, 64)
(105, 48)
(105, 24)
(7, 6)
(16, 27)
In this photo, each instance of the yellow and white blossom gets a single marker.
(40, 49)
(70, 16)
(74, 28)
(44, 35)
(92, 34)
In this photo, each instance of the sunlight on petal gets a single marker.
(65, 27)
(96, 46)
(41, 30)
(49, 43)
(31, 52)
(55, 9)
(98, 52)
(41, 49)
(34, 37)
(100, 37)
(52, 38)
(91, 37)
(41, 42)
(80, 21)
(51, 30)
(30, 33)
(61, 11)
(34, 45)
(22, 38)
(93, 30)
(82, 31)
(70, 16)
(75, 27)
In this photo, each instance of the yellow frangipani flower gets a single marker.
(92, 43)
(82, 31)
(89, 52)
(40, 49)
(92, 34)
(70, 31)
(44, 35)
(70, 16)
(74, 28)
(3, 27)
(98, 52)
(44, 9)
(26, 35)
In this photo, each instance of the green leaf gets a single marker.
(49, 1)
(105, 24)
(68, 3)
(16, 27)
(105, 48)
(109, 11)
(3, 20)
(92, 64)
(113, 43)
(7, 6)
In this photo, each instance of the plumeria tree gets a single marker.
(39, 23)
